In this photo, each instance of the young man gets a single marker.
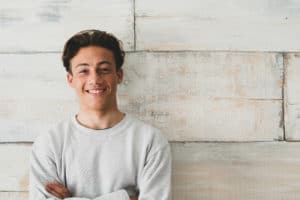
(101, 153)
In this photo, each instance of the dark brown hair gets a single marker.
(92, 38)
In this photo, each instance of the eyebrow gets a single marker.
(99, 63)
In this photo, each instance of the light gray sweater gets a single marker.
(101, 164)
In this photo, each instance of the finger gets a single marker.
(61, 189)
(134, 198)
(58, 195)
(58, 189)
(53, 192)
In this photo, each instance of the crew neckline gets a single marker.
(100, 132)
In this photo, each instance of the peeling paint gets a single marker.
(52, 11)
(24, 182)
(7, 18)
(281, 122)
(156, 115)
(297, 55)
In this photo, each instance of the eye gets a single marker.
(105, 70)
(83, 71)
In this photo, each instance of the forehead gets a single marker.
(93, 54)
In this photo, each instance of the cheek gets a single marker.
(114, 84)
(78, 84)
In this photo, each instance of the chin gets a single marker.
(94, 106)
(97, 107)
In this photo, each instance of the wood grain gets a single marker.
(14, 159)
(46, 25)
(34, 95)
(258, 25)
(292, 96)
(196, 96)
(236, 171)
(13, 195)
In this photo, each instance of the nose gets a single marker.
(95, 77)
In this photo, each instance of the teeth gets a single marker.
(95, 91)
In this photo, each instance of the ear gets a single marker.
(120, 75)
(70, 79)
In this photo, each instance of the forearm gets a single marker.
(118, 195)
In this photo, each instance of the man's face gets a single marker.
(95, 78)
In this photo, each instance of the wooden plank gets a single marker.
(34, 95)
(292, 96)
(236, 171)
(46, 25)
(197, 119)
(173, 91)
(13, 195)
(196, 96)
(14, 159)
(292, 122)
(207, 74)
(200, 170)
(258, 25)
(292, 88)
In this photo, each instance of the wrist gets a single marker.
(132, 191)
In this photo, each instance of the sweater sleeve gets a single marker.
(118, 195)
(43, 169)
(156, 176)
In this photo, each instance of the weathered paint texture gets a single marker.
(206, 96)
(245, 171)
(15, 167)
(34, 95)
(13, 195)
(46, 24)
(256, 25)
(292, 96)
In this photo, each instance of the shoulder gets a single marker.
(150, 136)
(144, 127)
(52, 139)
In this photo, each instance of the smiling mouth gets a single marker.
(96, 92)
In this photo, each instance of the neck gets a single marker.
(99, 119)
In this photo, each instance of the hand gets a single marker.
(58, 190)
(134, 198)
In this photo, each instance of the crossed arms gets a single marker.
(60, 191)
(155, 182)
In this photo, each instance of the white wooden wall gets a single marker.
(219, 78)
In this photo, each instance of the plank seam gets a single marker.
(232, 142)
(150, 51)
(206, 51)
(284, 74)
(29, 52)
(134, 26)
